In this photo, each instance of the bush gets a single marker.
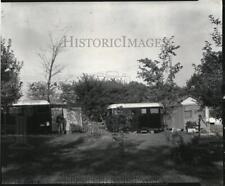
(191, 124)
(75, 128)
(120, 122)
(94, 94)
(217, 129)
(196, 153)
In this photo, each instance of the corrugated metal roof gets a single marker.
(134, 105)
(31, 102)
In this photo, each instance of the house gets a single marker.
(38, 117)
(188, 110)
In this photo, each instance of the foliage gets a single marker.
(75, 128)
(122, 121)
(206, 82)
(160, 75)
(217, 129)
(38, 90)
(191, 124)
(10, 69)
(160, 72)
(198, 154)
(216, 34)
(94, 95)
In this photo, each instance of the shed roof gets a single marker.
(134, 105)
(31, 102)
(189, 101)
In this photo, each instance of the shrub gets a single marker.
(217, 129)
(196, 153)
(191, 124)
(120, 122)
(75, 128)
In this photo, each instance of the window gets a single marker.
(187, 114)
(144, 111)
(154, 110)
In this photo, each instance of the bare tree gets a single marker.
(50, 66)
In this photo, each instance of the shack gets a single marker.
(38, 117)
(187, 110)
(137, 116)
(28, 117)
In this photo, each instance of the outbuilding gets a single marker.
(38, 117)
(135, 116)
(186, 111)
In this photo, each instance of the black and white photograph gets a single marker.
(112, 92)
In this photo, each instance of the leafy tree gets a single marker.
(10, 70)
(94, 95)
(160, 74)
(10, 81)
(216, 34)
(137, 92)
(85, 92)
(206, 82)
(91, 94)
(38, 90)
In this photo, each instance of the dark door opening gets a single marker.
(150, 118)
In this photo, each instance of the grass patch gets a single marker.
(53, 158)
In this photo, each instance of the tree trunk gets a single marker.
(49, 81)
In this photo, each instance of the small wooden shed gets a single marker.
(38, 117)
(188, 110)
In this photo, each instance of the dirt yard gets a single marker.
(106, 157)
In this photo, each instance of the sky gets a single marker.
(29, 25)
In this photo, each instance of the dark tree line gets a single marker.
(94, 95)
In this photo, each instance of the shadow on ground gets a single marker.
(53, 158)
